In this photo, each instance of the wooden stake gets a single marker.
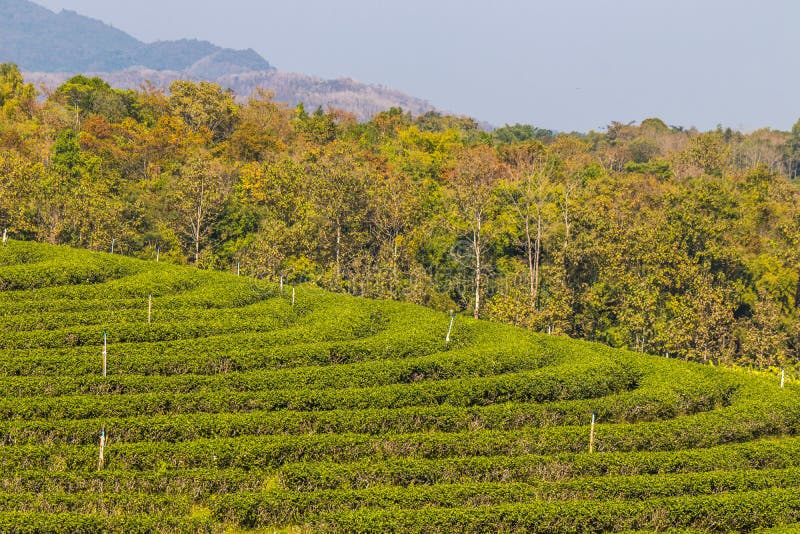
(158, 251)
(5, 236)
(591, 435)
(149, 307)
(102, 460)
(450, 328)
(292, 296)
(112, 245)
(783, 375)
(237, 268)
(104, 353)
(281, 285)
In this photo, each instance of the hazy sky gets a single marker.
(560, 64)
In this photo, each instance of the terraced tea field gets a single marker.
(235, 409)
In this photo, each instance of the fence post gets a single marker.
(292, 296)
(450, 328)
(149, 307)
(101, 460)
(112, 245)
(281, 285)
(237, 268)
(591, 435)
(158, 252)
(5, 236)
(783, 375)
(104, 353)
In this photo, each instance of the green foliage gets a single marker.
(95, 96)
(204, 105)
(520, 133)
(15, 94)
(644, 236)
(235, 408)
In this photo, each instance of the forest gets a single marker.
(658, 238)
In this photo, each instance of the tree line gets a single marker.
(648, 236)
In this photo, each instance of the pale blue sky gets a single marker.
(565, 65)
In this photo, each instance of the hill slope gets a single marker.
(236, 407)
(39, 40)
(50, 47)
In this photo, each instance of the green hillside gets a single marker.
(237, 409)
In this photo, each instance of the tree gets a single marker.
(707, 152)
(792, 151)
(318, 128)
(471, 182)
(265, 128)
(394, 198)
(95, 96)
(15, 94)
(279, 192)
(531, 191)
(763, 337)
(204, 105)
(20, 181)
(520, 133)
(338, 188)
(195, 197)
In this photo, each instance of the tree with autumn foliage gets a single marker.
(648, 236)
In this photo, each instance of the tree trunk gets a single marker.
(198, 226)
(537, 259)
(566, 219)
(476, 237)
(395, 276)
(531, 262)
(797, 294)
(338, 248)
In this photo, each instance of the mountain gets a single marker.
(50, 47)
(39, 40)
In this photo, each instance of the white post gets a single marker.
(112, 245)
(237, 268)
(591, 435)
(158, 251)
(281, 285)
(149, 307)
(104, 353)
(292, 296)
(450, 328)
(101, 460)
(5, 235)
(783, 375)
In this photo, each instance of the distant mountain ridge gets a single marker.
(42, 41)
(50, 47)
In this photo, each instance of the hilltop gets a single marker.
(242, 403)
(50, 47)
(39, 40)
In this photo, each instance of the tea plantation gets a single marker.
(236, 409)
